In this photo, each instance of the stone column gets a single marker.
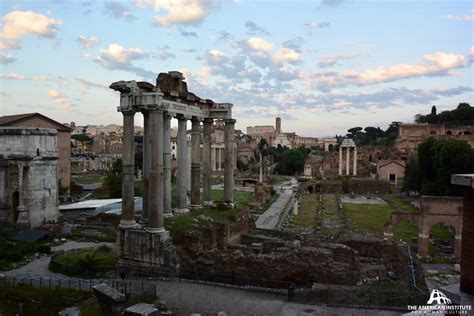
(206, 162)
(348, 155)
(182, 161)
(167, 165)
(354, 172)
(213, 158)
(155, 186)
(128, 176)
(195, 163)
(340, 160)
(219, 158)
(423, 244)
(146, 163)
(229, 161)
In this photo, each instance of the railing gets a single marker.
(129, 288)
(397, 300)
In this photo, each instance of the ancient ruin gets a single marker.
(348, 144)
(28, 176)
(434, 210)
(159, 104)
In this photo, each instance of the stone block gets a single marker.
(107, 295)
(70, 311)
(141, 309)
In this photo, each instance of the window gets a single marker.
(392, 178)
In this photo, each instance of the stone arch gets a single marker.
(434, 210)
(432, 233)
(330, 147)
(396, 218)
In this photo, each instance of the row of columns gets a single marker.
(157, 166)
(348, 155)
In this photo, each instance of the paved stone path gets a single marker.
(269, 219)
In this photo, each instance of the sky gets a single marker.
(322, 66)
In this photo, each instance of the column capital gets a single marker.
(167, 115)
(128, 111)
(229, 121)
(182, 117)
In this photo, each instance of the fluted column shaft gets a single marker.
(146, 162)
(128, 175)
(229, 161)
(195, 163)
(354, 172)
(155, 187)
(206, 163)
(340, 160)
(182, 160)
(348, 155)
(167, 165)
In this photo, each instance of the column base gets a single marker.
(208, 203)
(168, 215)
(194, 206)
(164, 234)
(128, 224)
(230, 204)
(181, 211)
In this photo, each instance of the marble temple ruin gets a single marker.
(148, 244)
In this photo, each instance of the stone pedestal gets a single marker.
(141, 309)
(142, 253)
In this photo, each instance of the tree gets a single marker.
(292, 162)
(262, 144)
(433, 110)
(437, 161)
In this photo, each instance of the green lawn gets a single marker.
(368, 217)
(85, 263)
(397, 202)
(241, 198)
(94, 234)
(306, 212)
(406, 231)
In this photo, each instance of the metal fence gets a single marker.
(398, 300)
(130, 288)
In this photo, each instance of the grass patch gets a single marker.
(14, 253)
(99, 234)
(85, 263)
(406, 231)
(241, 198)
(38, 301)
(367, 217)
(306, 217)
(397, 202)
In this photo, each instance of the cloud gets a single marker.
(203, 73)
(88, 42)
(287, 55)
(185, 33)
(16, 76)
(6, 59)
(164, 53)
(436, 64)
(316, 25)
(215, 57)
(331, 60)
(60, 100)
(295, 43)
(119, 11)
(17, 24)
(458, 18)
(224, 36)
(254, 29)
(86, 85)
(118, 57)
(179, 12)
(331, 3)
(259, 45)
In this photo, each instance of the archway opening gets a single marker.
(15, 204)
(408, 232)
(441, 243)
(330, 147)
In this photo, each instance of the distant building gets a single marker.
(411, 135)
(64, 139)
(392, 171)
(28, 176)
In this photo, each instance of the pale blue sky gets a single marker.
(323, 66)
